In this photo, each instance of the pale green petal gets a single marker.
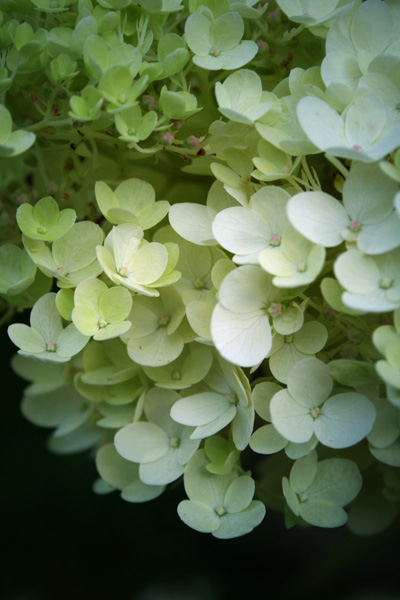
(319, 217)
(322, 513)
(17, 270)
(274, 261)
(282, 362)
(242, 426)
(115, 304)
(227, 31)
(290, 320)
(296, 451)
(198, 516)
(77, 249)
(290, 496)
(70, 341)
(321, 123)
(241, 231)
(26, 338)
(138, 491)
(203, 486)
(293, 421)
(311, 338)
(365, 121)
(51, 409)
(261, 396)
(200, 409)
(337, 480)
(46, 319)
(389, 455)
(198, 34)
(345, 419)
(156, 349)
(182, 217)
(371, 28)
(368, 194)
(114, 469)
(141, 442)
(381, 237)
(310, 383)
(112, 330)
(238, 56)
(244, 339)
(216, 425)
(386, 428)
(245, 290)
(237, 524)
(266, 440)
(163, 470)
(357, 273)
(147, 264)
(303, 472)
(239, 494)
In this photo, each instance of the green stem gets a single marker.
(339, 165)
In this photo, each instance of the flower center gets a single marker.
(275, 240)
(123, 271)
(102, 323)
(315, 412)
(41, 229)
(275, 309)
(356, 147)
(220, 510)
(288, 339)
(302, 497)
(163, 320)
(355, 226)
(51, 347)
(386, 283)
(301, 267)
(214, 51)
(199, 284)
(174, 442)
(63, 271)
(231, 398)
(176, 375)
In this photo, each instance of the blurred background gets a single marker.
(63, 542)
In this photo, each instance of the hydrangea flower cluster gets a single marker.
(201, 208)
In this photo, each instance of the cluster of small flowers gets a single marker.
(266, 314)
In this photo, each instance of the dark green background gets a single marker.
(62, 542)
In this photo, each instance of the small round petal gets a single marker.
(141, 442)
(243, 339)
(345, 419)
(319, 217)
(198, 516)
(310, 383)
(237, 524)
(292, 420)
